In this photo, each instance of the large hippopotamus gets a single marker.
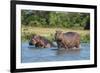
(67, 40)
(40, 41)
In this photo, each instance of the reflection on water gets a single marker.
(32, 54)
(72, 52)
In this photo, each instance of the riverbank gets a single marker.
(27, 32)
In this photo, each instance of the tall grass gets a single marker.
(28, 31)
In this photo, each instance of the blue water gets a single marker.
(31, 54)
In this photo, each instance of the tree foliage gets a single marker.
(55, 19)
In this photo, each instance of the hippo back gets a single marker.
(72, 36)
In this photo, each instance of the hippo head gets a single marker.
(33, 40)
(58, 35)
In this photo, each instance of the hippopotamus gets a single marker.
(40, 41)
(67, 40)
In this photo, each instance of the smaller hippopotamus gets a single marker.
(40, 41)
(32, 41)
(67, 40)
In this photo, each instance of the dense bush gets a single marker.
(55, 19)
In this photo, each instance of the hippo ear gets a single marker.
(58, 31)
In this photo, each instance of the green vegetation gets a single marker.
(55, 19)
(27, 32)
(45, 23)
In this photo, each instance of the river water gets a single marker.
(30, 54)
